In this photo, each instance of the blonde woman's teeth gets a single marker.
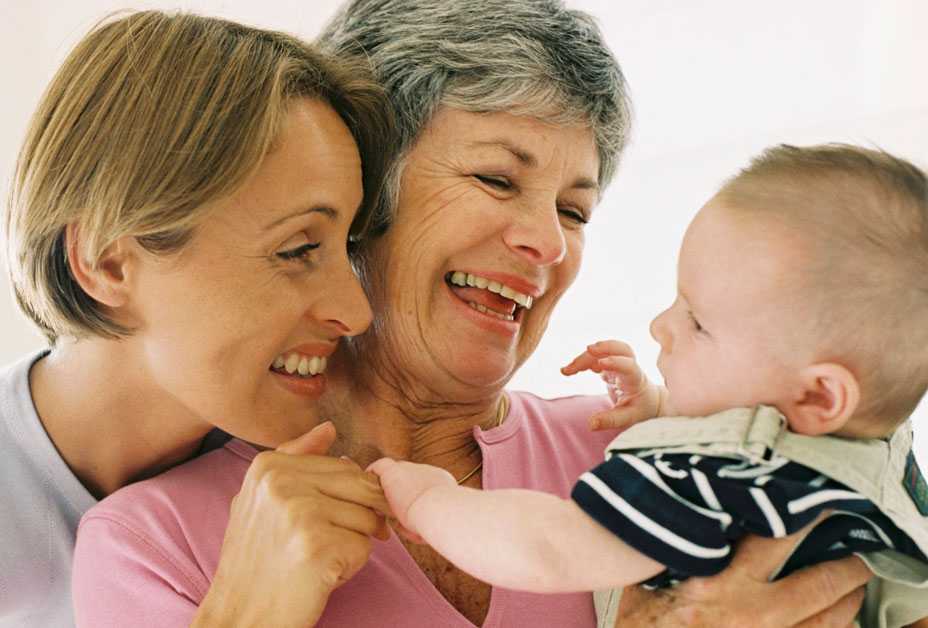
(463, 279)
(302, 365)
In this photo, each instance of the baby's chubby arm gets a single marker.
(634, 398)
(512, 538)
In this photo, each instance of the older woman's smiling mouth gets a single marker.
(489, 296)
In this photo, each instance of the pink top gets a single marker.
(146, 554)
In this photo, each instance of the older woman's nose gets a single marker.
(344, 307)
(539, 238)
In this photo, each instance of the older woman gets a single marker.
(183, 204)
(513, 114)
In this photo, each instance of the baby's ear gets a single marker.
(827, 397)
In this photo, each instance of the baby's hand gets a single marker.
(634, 397)
(404, 482)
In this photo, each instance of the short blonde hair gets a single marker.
(865, 215)
(151, 117)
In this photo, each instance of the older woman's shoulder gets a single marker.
(568, 408)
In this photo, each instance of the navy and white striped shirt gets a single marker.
(685, 510)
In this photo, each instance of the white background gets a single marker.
(713, 82)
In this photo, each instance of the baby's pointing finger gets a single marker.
(610, 347)
(583, 362)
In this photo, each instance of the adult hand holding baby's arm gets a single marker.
(634, 397)
(825, 595)
(300, 517)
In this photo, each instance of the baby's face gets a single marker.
(727, 340)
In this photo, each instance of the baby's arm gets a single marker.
(634, 397)
(513, 538)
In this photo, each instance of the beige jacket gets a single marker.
(882, 470)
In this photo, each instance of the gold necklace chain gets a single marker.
(501, 411)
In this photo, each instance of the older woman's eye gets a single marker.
(500, 183)
(299, 253)
(575, 215)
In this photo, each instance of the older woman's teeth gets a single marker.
(302, 365)
(485, 310)
(459, 278)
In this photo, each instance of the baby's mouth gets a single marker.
(489, 297)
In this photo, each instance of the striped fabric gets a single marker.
(686, 510)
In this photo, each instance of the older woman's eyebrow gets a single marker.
(329, 212)
(524, 157)
(529, 160)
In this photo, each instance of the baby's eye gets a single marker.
(696, 324)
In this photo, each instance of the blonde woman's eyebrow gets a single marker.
(330, 213)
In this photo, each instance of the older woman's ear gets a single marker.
(105, 280)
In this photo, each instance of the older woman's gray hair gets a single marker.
(525, 57)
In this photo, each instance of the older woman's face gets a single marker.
(264, 285)
(496, 202)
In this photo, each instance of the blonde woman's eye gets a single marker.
(300, 252)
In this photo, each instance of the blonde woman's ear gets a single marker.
(828, 396)
(105, 280)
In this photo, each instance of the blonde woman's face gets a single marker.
(264, 285)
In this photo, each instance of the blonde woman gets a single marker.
(178, 231)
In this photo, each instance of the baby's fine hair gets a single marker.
(864, 216)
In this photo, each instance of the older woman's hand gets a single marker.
(827, 594)
(300, 520)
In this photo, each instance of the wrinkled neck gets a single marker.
(377, 414)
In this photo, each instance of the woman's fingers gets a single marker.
(362, 488)
(316, 441)
(759, 556)
(825, 593)
(339, 513)
(840, 615)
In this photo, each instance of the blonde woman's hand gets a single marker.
(634, 398)
(300, 526)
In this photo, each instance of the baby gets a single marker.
(799, 337)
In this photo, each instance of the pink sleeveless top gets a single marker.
(145, 556)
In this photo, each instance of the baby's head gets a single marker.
(802, 284)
